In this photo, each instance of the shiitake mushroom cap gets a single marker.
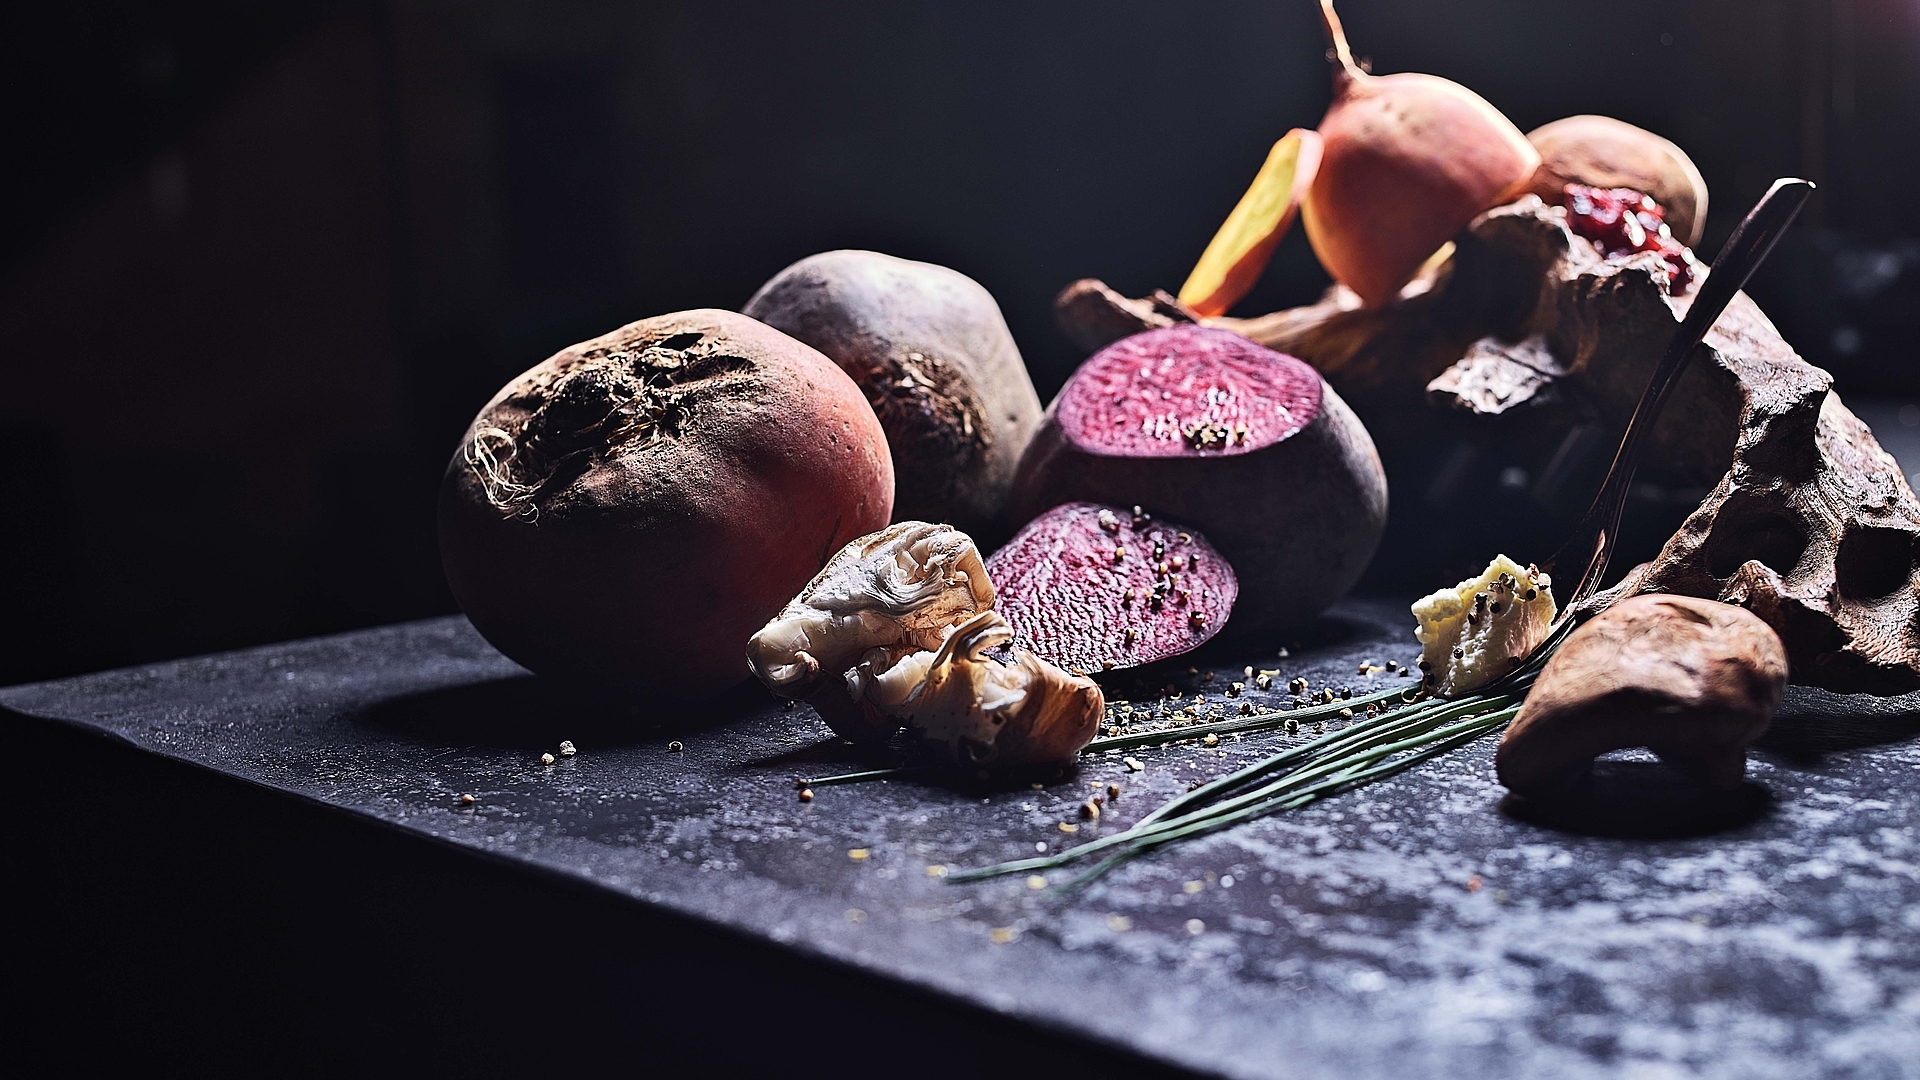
(1695, 681)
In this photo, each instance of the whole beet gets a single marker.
(1246, 444)
(628, 512)
(932, 353)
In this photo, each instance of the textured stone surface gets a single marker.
(1410, 929)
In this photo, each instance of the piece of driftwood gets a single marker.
(1527, 332)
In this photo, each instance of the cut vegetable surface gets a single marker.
(1092, 587)
(1246, 444)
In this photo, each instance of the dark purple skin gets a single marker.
(1292, 494)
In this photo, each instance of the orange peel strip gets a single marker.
(1239, 252)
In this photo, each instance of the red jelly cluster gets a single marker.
(1620, 221)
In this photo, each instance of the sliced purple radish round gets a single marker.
(1239, 441)
(1091, 587)
(1187, 392)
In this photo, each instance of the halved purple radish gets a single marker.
(1244, 443)
(1091, 587)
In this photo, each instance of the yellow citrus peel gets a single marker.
(1240, 250)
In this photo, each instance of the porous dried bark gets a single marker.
(1527, 333)
(1693, 680)
(1815, 530)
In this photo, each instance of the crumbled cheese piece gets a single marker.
(1482, 628)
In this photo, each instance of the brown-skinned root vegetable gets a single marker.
(974, 710)
(629, 511)
(899, 589)
(1247, 444)
(1602, 152)
(1239, 251)
(1693, 680)
(1094, 588)
(933, 354)
(1408, 160)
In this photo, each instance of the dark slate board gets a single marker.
(1411, 929)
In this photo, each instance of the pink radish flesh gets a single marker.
(1090, 587)
(1187, 391)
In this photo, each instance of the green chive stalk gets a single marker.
(1409, 732)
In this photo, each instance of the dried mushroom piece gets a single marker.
(1695, 681)
(976, 709)
(901, 587)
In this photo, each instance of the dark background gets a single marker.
(260, 263)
